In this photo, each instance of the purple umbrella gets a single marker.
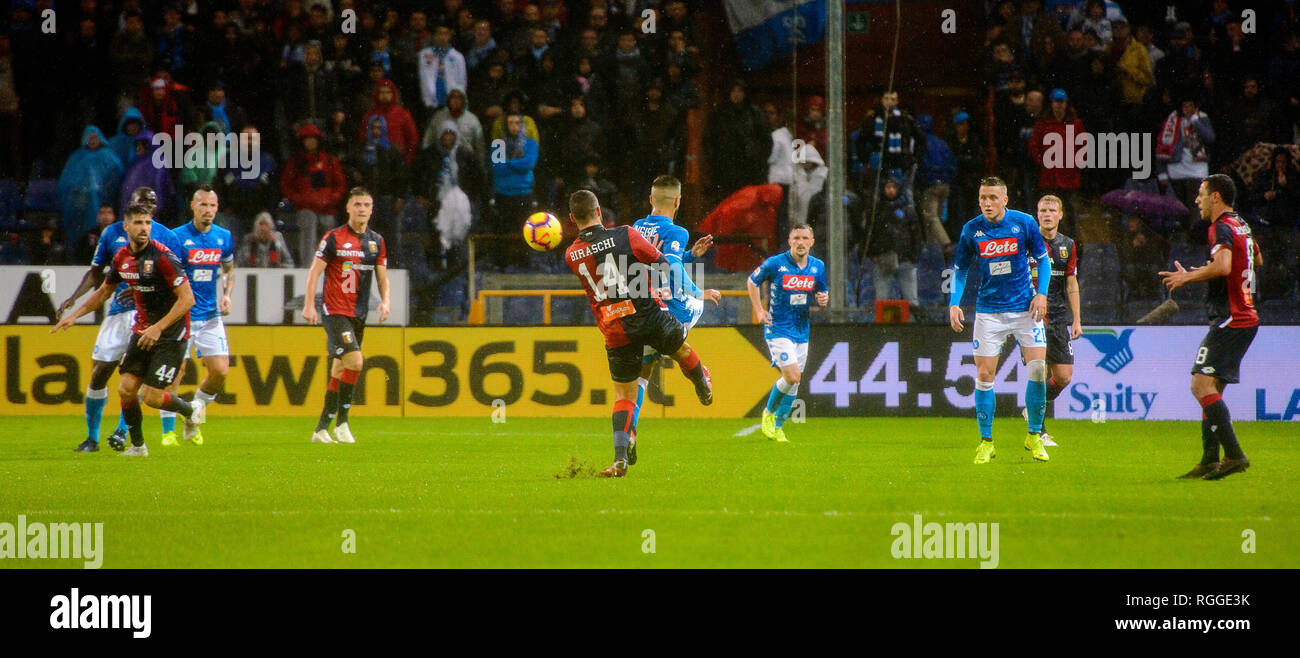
(1147, 204)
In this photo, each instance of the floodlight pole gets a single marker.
(836, 236)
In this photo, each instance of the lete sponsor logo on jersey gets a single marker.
(999, 247)
(798, 282)
(210, 256)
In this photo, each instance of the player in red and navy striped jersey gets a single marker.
(1229, 296)
(350, 256)
(162, 326)
(612, 266)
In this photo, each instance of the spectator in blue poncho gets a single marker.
(123, 143)
(91, 177)
(143, 172)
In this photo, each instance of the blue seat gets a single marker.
(1192, 294)
(41, 195)
(11, 199)
(521, 310)
(453, 293)
(929, 276)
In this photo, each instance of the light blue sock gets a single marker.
(985, 405)
(783, 411)
(640, 398)
(121, 424)
(95, 401)
(1036, 396)
(168, 421)
(774, 398)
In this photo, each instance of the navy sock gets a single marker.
(134, 418)
(622, 421)
(1221, 425)
(1209, 444)
(331, 405)
(347, 381)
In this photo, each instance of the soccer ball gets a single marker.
(542, 231)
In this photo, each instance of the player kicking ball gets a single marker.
(685, 300)
(208, 254)
(162, 327)
(1229, 297)
(350, 256)
(628, 314)
(999, 242)
(790, 278)
(1063, 322)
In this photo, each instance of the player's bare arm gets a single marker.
(381, 278)
(180, 308)
(1072, 294)
(93, 277)
(227, 287)
(1220, 266)
(102, 294)
(702, 246)
(756, 301)
(955, 318)
(309, 297)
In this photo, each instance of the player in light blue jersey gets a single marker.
(115, 330)
(999, 243)
(684, 299)
(208, 254)
(794, 280)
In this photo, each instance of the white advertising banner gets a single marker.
(1144, 373)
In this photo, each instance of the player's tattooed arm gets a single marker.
(180, 308)
(89, 281)
(227, 286)
(102, 293)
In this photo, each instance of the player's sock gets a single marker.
(331, 405)
(205, 397)
(1053, 390)
(176, 405)
(641, 384)
(121, 423)
(168, 421)
(347, 380)
(622, 421)
(133, 418)
(691, 367)
(1209, 443)
(779, 389)
(1036, 395)
(985, 404)
(783, 411)
(1216, 411)
(95, 401)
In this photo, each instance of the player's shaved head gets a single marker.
(665, 192)
(584, 207)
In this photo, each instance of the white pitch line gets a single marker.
(748, 430)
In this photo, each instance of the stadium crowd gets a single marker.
(418, 98)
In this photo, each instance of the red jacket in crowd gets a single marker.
(401, 127)
(314, 180)
(750, 211)
(1062, 175)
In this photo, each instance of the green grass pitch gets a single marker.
(470, 493)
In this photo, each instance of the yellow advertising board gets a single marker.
(456, 371)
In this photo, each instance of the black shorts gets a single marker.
(343, 334)
(157, 366)
(1059, 350)
(1221, 351)
(663, 333)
